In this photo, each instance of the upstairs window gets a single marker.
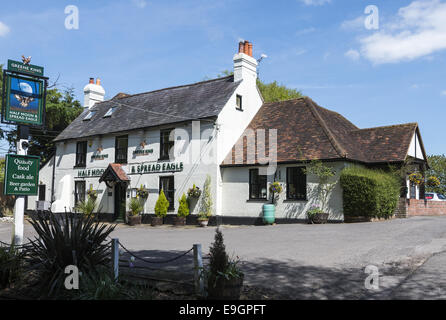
(81, 154)
(121, 146)
(239, 102)
(89, 115)
(257, 185)
(165, 144)
(296, 184)
(110, 112)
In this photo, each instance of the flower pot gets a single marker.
(269, 213)
(156, 221)
(225, 289)
(179, 221)
(203, 223)
(134, 220)
(319, 218)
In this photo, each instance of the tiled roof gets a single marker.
(114, 172)
(306, 131)
(171, 105)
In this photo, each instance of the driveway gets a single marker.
(305, 261)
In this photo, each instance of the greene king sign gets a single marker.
(21, 175)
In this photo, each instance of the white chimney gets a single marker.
(245, 66)
(93, 93)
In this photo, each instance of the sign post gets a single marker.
(23, 97)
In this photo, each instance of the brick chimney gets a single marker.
(245, 66)
(93, 93)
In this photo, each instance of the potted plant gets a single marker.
(224, 276)
(269, 210)
(206, 204)
(142, 192)
(161, 206)
(416, 178)
(183, 212)
(316, 215)
(194, 192)
(136, 208)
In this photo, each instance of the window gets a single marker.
(257, 185)
(79, 192)
(121, 146)
(238, 100)
(165, 144)
(42, 189)
(296, 184)
(81, 154)
(90, 115)
(110, 112)
(168, 186)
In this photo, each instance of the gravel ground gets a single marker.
(304, 261)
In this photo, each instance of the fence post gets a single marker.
(115, 258)
(198, 270)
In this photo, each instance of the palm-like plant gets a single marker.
(135, 206)
(86, 207)
(79, 241)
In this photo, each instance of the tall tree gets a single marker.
(437, 165)
(61, 109)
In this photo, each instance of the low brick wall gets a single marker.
(425, 208)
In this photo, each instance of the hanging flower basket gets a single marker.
(194, 192)
(433, 182)
(416, 178)
(92, 194)
(142, 193)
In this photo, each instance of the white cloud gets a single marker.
(315, 2)
(417, 31)
(140, 3)
(305, 31)
(353, 54)
(4, 29)
(443, 93)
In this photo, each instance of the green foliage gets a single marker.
(275, 189)
(220, 265)
(183, 208)
(74, 240)
(162, 205)
(101, 285)
(87, 207)
(2, 169)
(313, 211)
(273, 92)
(367, 192)
(11, 263)
(135, 206)
(324, 174)
(61, 109)
(437, 165)
(206, 200)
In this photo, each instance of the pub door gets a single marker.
(120, 201)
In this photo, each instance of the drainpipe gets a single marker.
(53, 177)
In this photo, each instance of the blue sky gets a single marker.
(374, 77)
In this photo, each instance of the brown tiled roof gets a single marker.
(114, 172)
(306, 131)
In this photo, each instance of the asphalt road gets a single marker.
(310, 261)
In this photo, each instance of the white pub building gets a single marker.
(174, 138)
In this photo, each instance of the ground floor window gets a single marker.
(296, 183)
(42, 189)
(167, 184)
(79, 192)
(257, 185)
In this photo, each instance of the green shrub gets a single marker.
(206, 200)
(162, 205)
(79, 241)
(11, 262)
(87, 207)
(183, 208)
(368, 192)
(135, 206)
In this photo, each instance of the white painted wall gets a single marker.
(45, 177)
(236, 202)
(415, 148)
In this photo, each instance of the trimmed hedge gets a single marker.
(369, 193)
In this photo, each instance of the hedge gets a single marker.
(369, 193)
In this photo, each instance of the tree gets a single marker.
(271, 92)
(61, 109)
(437, 169)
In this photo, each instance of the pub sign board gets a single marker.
(24, 100)
(16, 66)
(21, 175)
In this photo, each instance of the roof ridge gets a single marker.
(388, 126)
(336, 145)
(175, 87)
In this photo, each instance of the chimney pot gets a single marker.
(250, 49)
(246, 48)
(91, 80)
(98, 81)
(241, 47)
